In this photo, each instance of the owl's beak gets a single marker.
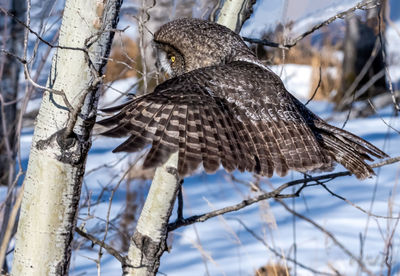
(161, 69)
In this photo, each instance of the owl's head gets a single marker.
(187, 44)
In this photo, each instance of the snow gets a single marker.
(296, 78)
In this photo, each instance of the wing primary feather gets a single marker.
(182, 141)
(200, 132)
(193, 151)
(211, 160)
(354, 140)
(227, 155)
(214, 146)
(270, 150)
(242, 158)
(345, 155)
(162, 148)
(140, 136)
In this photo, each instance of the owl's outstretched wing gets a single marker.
(238, 115)
(185, 119)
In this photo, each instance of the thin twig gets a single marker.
(361, 75)
(251, 232)
(109, 213)
(10, 226)
(355, 205)
(330, 235)
(23, 61)
(316, 88)
(383, 120)
(29, 29)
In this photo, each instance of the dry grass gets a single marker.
(123, 58)
(326, 72)
(324, 56)
(273, 269)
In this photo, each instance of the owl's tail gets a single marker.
(344, 147)
(347, 148)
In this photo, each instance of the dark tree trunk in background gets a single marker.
(363, 73)
(12, 35)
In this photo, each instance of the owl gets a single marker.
(223, 106)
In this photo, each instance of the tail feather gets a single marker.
(344, 147)
(347, 149)
(345, 155)
(357, 142)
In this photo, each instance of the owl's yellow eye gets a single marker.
(172, 58)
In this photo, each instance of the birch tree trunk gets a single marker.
(62, 139)
(148, 243)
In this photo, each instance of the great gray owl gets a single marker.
(222, 106)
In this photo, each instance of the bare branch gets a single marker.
(355, 205)
(360, 6)
(383, 120)
(273, 194)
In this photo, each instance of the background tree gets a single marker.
(363, 58)
(12, 39)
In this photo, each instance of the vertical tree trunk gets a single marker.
(362, 60)
(148, 243)
(8, 113)
(62, 139)
(9, 87)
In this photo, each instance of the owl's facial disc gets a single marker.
(170, 61)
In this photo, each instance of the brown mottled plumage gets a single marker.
(223, 106)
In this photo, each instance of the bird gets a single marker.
(222, 106)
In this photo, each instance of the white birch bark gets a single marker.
(62, 139)
(149, 240)
(148, 243)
